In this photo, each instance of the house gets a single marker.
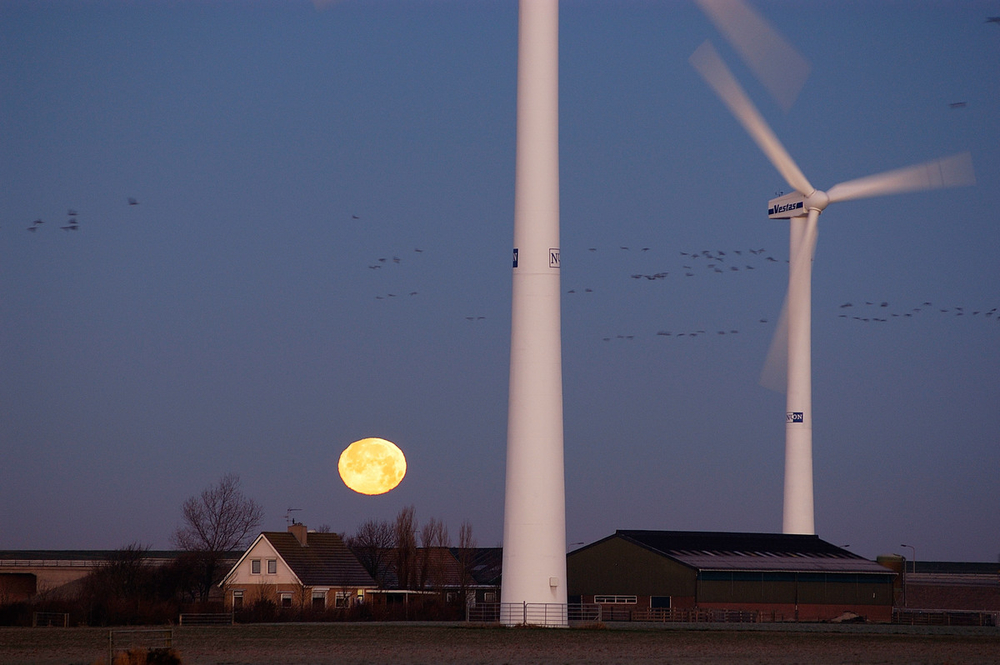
(774, 577)
(445, 572)
(298, 569)
(484, 566)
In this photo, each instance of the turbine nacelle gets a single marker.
(796, 205)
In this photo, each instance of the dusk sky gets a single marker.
(320, 252)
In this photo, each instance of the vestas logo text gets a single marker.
(784, 207)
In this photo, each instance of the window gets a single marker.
(490, 597)
(343, 599)
(286, 600)
(238, 600)
(614, 600)
(319, 599)
(255, 566)
(272, 566)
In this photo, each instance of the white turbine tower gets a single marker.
(803, 207)
(534, 542)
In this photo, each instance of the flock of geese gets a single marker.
(714, 262)
(692, 263)
(73, 223)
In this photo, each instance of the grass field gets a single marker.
(352, 643)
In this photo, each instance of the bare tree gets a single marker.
(431, 571)
(372, 544)
(466, 553)
(435, 534)
(404, 532)
(218, 521)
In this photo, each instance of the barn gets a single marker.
(637, 574)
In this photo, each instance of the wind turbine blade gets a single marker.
(708, 63)
(954, 171)
(774, 61)
(774, 375)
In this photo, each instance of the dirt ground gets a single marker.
(370, 644)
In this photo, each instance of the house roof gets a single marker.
(440, 567)
(718, 551)
(485, 563)
(443, 566)
(323, 561)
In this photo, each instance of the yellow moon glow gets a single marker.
(372, 466)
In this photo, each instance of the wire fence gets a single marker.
(60, 619)
(553, 614)
(206, 619)
(908, 617)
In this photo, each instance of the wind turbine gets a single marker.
(534, 530)
(802, 208)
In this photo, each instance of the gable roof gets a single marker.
(713, 550)
(323, 561)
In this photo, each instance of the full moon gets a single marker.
(372, 466)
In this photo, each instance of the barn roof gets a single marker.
(725, 551)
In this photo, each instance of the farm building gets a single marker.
(779, 577)
(944, 585)
(57, 574)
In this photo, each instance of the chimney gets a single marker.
(300, 532)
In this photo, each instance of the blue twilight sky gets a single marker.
(325, 197)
